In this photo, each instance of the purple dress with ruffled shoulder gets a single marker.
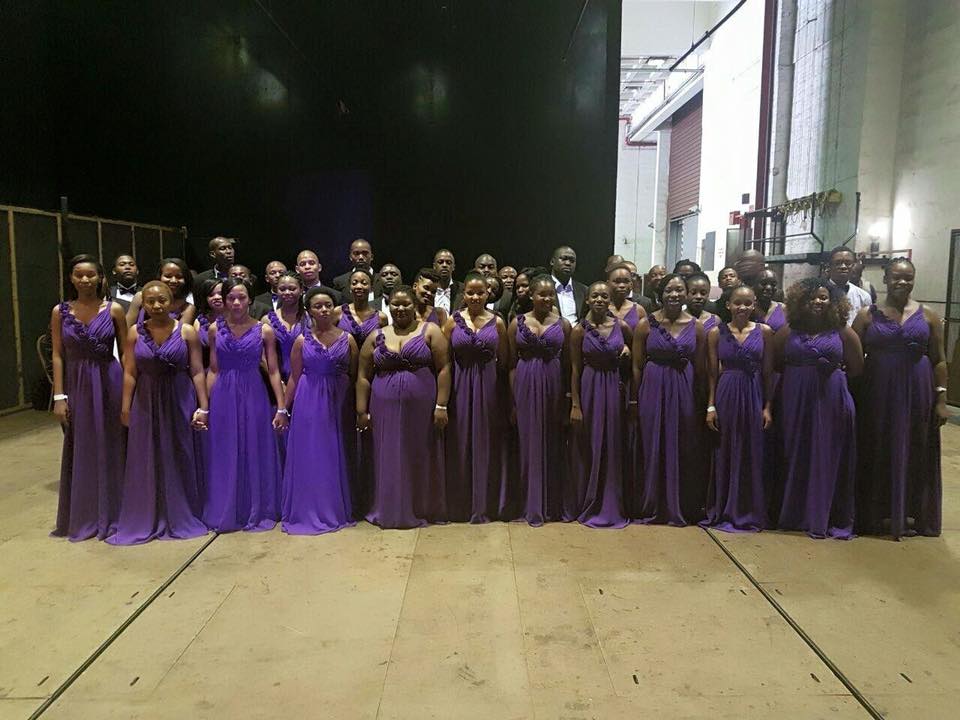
(631, 438)
(91, 466)
(736, 499)
(668, 422)
(900, 470)
(243, 470)
(598, 445)
(408, 471)
(538, 398)
(316, 477)
(360, 330)
(474, 435)
(285, 340)
(162, 479)
(819, 438)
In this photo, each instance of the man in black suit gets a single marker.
(124, 286)
(309, 267)
(222, 253)
(571, 294)
(449, 293)
(388, 278)
(272, 274)
(361, 258)
(257, 309)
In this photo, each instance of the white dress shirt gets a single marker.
(857, 297)
(566, 300)
(442, 298)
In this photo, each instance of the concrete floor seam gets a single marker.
(795, 626)
(75, 675)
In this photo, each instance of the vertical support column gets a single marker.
(60, 254)
(133, 241)
(100, 241)
(15, 297)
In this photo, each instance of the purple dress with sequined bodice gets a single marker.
(736, 498)
(316, 476)
(91, 467)
(408, 468)
(818, 460)
(668, 420)
(900, 453)
(243, 468)
(597, 445)
(538, 398)
(164, 468)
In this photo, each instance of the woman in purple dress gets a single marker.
(903, 406)
(174, 273)
(475, 461)
(596, 411)
(425, 288)
(403, 387)
(316, 476)
(818, 466)
(243, 472)
(359, 317)
(540, 362)
(620, 278)
(164, 395)
(769, 311)
(740, 363)
(667, 347)
(87, 387)
(698, 295)
(286, 320)
(209, 297)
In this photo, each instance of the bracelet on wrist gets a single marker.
(283, 411)
(59, 397)
(711, 408)
(202, 411)
(939, 389)
(440, 407)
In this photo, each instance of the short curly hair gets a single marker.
(799, 315)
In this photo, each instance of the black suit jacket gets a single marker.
(210, 274)
(456, 294)
(341, 283)
(257, 309)
(264, 299)
(125, 304)
(579, 296)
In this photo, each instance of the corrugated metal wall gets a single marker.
(30, 281)
(683, 181)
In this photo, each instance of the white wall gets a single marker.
(927, 167)
(731, 121)
(665, 27)
(636, 178)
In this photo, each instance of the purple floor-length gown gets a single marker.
(316, 477)
(819, 444)
(736, 500)
(474, 440)
(667, 418)
(243, 470)
(161, 484)
(408, 475)
(900, 470)
(772, 444)
(91, 467)
(538, 398)
(598, 446)
(631, 438)
(358, 444)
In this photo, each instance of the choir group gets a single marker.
(507, 396)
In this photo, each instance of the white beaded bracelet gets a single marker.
(58, 398)
(711, 408)
(202, 411)
(440, 407)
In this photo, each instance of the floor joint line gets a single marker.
(824, 658)
(74, 676)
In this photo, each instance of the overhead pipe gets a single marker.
(766, 115)
(707, 35)
(783, 121)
